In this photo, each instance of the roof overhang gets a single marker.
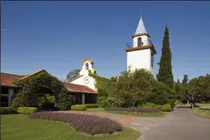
(142, 48)
(142, 34)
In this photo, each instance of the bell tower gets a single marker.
(141, 53)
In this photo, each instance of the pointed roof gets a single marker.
(140, 28)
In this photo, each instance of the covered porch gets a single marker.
(81, 94)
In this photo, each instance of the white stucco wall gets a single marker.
(144, 39)
(80, 81)
(139, 59)
(85, 73)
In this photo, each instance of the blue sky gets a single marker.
(57, 36)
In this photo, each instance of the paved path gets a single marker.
(122, 119)
(180, 124)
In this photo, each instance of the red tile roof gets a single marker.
(6, 79)
(79, 88)
(36, 72)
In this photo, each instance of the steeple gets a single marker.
(140, 54)
(140, 28)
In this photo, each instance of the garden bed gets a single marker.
(23, 127)
(82, 123)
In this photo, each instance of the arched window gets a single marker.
(87, 66)
(140, 42)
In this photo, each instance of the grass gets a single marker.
(203, 104)
(155, 114)
(20, 127)
(201, 113)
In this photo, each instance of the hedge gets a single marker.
(82, 123)
(143, 110)
(78, 107)
(26, 110)
(92, 105)
(7, 110)
(166, 108)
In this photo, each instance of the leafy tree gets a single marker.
(72, 75)
(177, 88)
(161, 94)
(30, 87)
(185, 79)
(196, 89)
(133, 88)
(165, 74)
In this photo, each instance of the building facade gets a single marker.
(141, 53)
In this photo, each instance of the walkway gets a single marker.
(180, 124)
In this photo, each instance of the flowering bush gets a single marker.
(82, 123)
(144, 110)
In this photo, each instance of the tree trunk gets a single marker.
(192, 105)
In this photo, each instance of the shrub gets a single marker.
(7, 110)
(91, 105)
(42, 101)
(101, 101)
(26, 110)
(159, 107)
(177, 102)
(149, 105)
(82, 123)
(50, 99)
(166, 108)
(111, 102)
(172, 103)
(205, 107)
(161, 94)
(78, 107)
(143, 110)
(65, 100)
(132, 88)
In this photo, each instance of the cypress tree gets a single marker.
(165, 74)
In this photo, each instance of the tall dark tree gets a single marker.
(165, 74)
(72, 75)
(185, 79)
(177, 88)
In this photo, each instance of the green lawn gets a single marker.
(20, 127)
(203, 104)
(201, 113)
(155, 114)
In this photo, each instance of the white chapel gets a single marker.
(84, 78)
(141, 53)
